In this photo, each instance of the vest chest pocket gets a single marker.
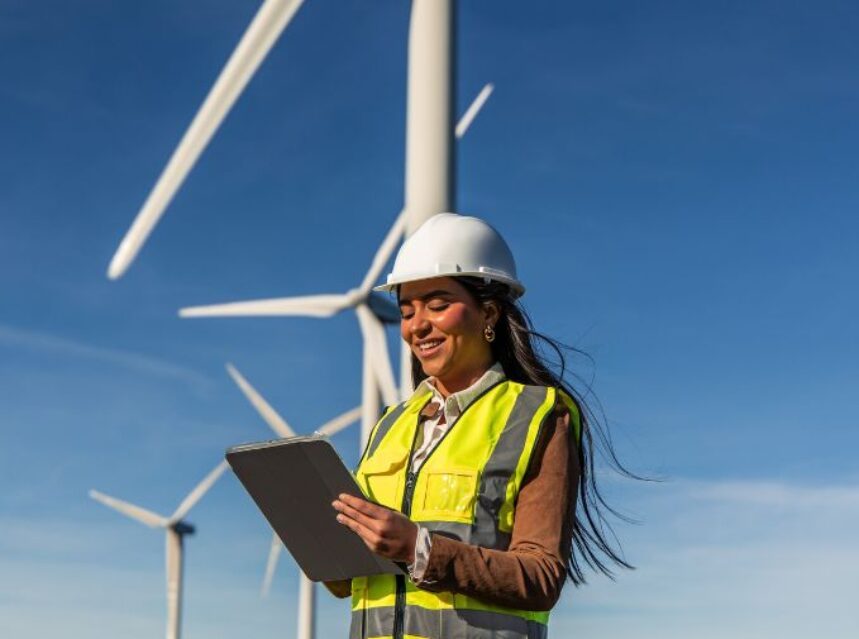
(384, 479)
(450, 494)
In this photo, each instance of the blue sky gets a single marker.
(677, 181)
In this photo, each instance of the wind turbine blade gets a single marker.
(258, 39)
(472, 111)
(370, 405)
(384, 373)
(271, 417)
(395, 234)
(142, 515)
(200, 490)
(374, 335)
(340, 422)
(308, 305)
(271, 564)
(406, 385)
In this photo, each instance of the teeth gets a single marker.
(428, 345)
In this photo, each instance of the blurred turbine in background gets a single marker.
(307, 589)
(176, 528)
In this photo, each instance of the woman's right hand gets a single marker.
(384, 531)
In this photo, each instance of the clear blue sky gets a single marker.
(677, 180)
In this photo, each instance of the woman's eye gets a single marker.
(406, 314)
(438, 307)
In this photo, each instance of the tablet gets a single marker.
(293, 482)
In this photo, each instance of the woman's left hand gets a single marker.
(386, 532)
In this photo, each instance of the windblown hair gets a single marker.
(521, 351)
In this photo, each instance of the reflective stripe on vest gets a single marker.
(449, 623)
(466, 489)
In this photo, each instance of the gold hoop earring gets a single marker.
(489, 333)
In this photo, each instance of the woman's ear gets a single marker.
(491, 313)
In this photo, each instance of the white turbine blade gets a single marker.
(200, 490)
(258, 39)
(271, 564)
(142, 515)
(271, 417)
(384, 373)
(370, 404)
(395, 234)
(406, 385)
(340, 422)
(472, 111)
(308, 305)
(374, 335)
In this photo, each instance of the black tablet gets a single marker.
(293, 482)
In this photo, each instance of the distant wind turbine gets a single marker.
(307, 589)
(176, 528)
(372, 309)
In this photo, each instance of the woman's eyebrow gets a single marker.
(427, 296)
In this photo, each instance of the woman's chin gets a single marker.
(432, 366)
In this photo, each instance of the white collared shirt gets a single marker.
(450, 408)
(431, 434)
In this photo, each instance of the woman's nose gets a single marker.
(419, 324)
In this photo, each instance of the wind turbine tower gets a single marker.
(175, 528)
(430, 185)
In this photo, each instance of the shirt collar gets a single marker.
(457, 402)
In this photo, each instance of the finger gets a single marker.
(370, 538)
(366, 520)
(368, 507)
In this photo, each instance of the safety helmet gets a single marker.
(451, 245)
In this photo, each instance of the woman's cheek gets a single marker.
(454, 320)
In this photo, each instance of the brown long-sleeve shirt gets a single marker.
(528, 575)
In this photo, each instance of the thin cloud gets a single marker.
(733, 558)
(771, 493)
(136, 362)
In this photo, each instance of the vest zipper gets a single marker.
(400, 600)
(406, 509)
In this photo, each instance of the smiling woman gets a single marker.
(473, 480)
(446, 328)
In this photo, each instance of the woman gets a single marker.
(475, 476)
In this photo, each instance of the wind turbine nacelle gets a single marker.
(183, 528)
(384, 307)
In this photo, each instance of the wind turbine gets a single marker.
(373, 309)
(176, 528)
(307, 589)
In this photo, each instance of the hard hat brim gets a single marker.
(393, 282)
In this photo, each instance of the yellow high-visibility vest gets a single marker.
(465, 489)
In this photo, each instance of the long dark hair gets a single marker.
(521, 351)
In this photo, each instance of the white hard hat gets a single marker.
(451, 245)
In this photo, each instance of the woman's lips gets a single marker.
(429, 348)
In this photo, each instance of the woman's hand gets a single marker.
(386, 532)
